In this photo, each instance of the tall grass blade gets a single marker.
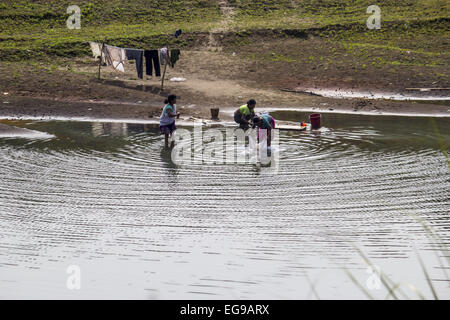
(397, 286)
(313, 288)
(384, 279)
(350, 275)
(430, 283)
(441, 141)
(433, 235)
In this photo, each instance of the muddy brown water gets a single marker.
(107, 198)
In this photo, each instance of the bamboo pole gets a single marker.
(164, 74)
(165, 67)
(100, 60)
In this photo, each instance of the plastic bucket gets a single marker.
(215, 113)
(315, 120)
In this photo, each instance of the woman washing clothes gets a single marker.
(244, 114)
(265, 122)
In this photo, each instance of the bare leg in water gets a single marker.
(166, 140)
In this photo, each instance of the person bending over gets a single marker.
(244, 114)
(267, 122)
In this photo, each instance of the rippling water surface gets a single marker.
(106, 197)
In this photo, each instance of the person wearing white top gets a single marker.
(167, 119)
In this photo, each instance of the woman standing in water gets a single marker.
(167, 119)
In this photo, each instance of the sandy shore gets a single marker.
(213, 80)
(33, 108)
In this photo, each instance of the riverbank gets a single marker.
(230, 52)
(70, 88)
(73, 91)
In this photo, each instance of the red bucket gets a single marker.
(315, 120)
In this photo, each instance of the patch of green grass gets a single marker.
(23, 15)
(35, 29)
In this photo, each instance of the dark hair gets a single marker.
(255, 121)
(251, 102)
(170, 98)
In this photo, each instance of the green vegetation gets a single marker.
(38, 28)
(41, 15)
(396, 290)
(297, 14)
(292, 40)
(33, 30)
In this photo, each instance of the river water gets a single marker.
(107, 200)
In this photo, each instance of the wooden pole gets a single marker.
(100, 60)
(165, 67)
(164, 74)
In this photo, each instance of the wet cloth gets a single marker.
(174, 56)
(165, 119)
(115, 57)
(151, 56)
(138, 56)
(178, 33)
(163, 55)
(96, 49)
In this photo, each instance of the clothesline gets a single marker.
(116, 57)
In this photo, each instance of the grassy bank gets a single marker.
(32, 30)
(279, 44)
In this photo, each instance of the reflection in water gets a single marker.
(113, 129)
(107, 197)
(118, 129)
(172, 169)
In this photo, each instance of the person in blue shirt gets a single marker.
(267, 122)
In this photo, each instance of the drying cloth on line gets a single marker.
(178, 33)
(152, 56)
(115, 57)
(174, 56)
(138, 56)
(96, 49)
(164, 55)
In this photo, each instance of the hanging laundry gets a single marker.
(96, 49)
(178, 33)
(138, 56)
(174, 56)
(164, 55)
(115, 57)
(152, 56)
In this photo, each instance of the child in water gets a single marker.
(167, 119)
